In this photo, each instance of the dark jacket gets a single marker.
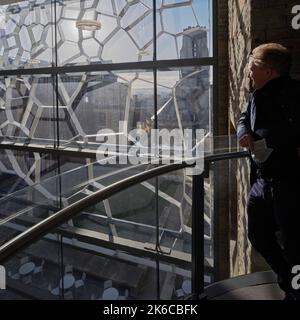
(273, 113)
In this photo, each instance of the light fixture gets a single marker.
(88, 25)
(33, 61)
(143, 52)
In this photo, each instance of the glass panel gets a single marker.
(89, 102)
(34, 273)
(110, 249)
(27, 109)
(20, 169)
(228, 236)
(104, 31)
(128, 219)
(185, 98)
(184, 29)
(175, 282)
(42, 198)
(108, 241)
(26, 34)
(175, 211)
(222, 144)
(102, 273)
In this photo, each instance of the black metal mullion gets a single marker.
(56, 74)
(215, 131)
(157, 241)
(198, 236)
(141, 65)
(59, 185)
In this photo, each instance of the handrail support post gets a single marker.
(198, 236)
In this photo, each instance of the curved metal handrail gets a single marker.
(47, 225)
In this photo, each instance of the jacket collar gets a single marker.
(274, 87)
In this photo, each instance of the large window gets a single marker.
(61, 35)
(40, 33)
(71, 68)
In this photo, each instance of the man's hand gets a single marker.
(247, 142)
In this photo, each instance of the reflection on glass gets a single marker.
(123, 32)
(185, 98)
(23, 169)
(34, 273)
(26, 34)
(86, 103)
(119, 101)
(184, 29)
(126, 31)
(27, 108)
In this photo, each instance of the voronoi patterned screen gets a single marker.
(90, 101)
(29, 31)
(69, 108)
(26, 31)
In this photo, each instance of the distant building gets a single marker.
(194, 43)
(193, 88)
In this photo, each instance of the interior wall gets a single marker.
(239, 48)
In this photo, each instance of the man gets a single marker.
(270, 129)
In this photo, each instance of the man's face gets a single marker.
(259, 75)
